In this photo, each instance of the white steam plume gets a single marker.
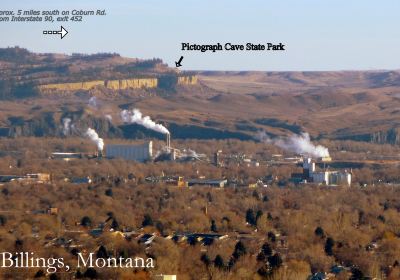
(108, 117)
(135, 116)
(66, 126)
(189, 153)
(92, 134)
(93, 102)
(300, 144)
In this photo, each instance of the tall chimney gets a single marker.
(168, 141)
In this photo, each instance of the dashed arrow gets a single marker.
(63, 32)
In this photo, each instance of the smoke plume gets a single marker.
(108, 117)
(135, 116)
(92, 134)
(300, 144)
(93, 102)
(189, 153)
(66, 126)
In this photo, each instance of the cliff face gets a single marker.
(391, 136)
(131, 83)
(71, 86)
(187, 80)
(114, 84)
(51, 124)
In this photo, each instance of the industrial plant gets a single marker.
(313, 158)
(325, 176)
(140, 153)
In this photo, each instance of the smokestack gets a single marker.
(217, 160)
(168, 136)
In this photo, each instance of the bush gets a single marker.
(275, 261)
(109, 192)
(3, 220)
(90, 273)
(86, 221)
(147, 221)
(319, 232)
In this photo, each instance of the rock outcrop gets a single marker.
(131, 83)
(187, 80)
(71, 86)
(137, 83)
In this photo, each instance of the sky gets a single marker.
(318, 35)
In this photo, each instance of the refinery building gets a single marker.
(327, 177)
(140, 153)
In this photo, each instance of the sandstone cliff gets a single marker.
(114, 84)
(131, 83)
(187, 80)
(72, 86)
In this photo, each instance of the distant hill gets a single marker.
(355, 105)
(22, 71)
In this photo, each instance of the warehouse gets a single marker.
(140, 153)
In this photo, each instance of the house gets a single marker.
(36, 178)
(147, 238)
(8, 178)
(205, 239)
(168, 277)
(66, 156)
(79, 180)
(220, 183)
(258, 184)
(96, 232)
(318, 276)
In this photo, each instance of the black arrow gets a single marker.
(61, 32)
(178, 64)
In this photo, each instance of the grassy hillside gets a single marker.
(357, 105)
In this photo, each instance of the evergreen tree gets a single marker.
(40, 273)
(147, 221)
(114, 224)
(219, 262)
(109, 192)
(90, 273)
(205, 259)
(53, 276)
(213, 226)
(266, 249)
(329, 246)
(319, 232)
(259, 214)
(275, 261)
(3, 220)
(86, 221)
(102, 253)
(239, 251)
(271, 236)
(250, 217)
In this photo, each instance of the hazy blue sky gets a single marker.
(319, 35)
